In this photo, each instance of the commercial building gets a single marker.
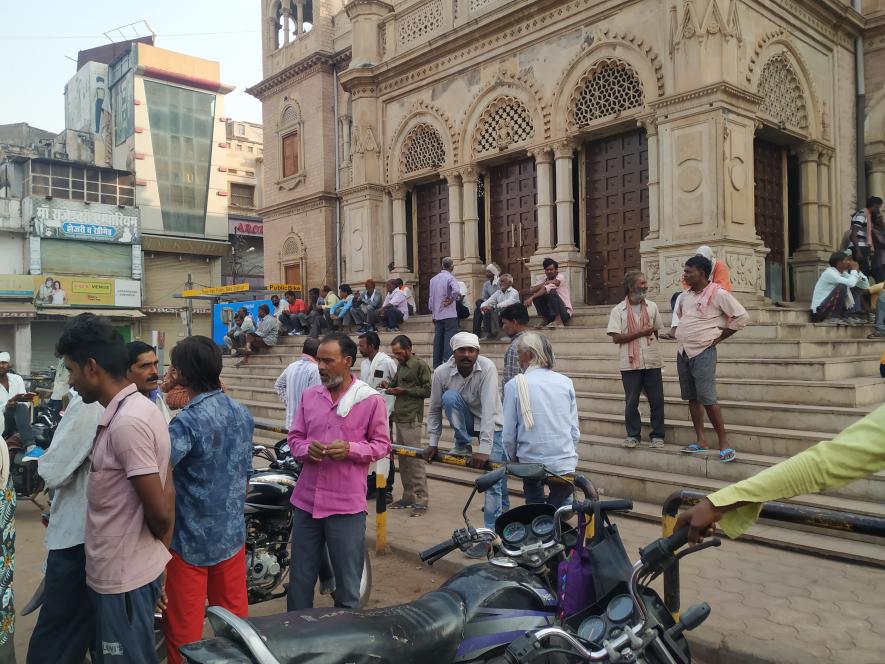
(612, 136)
(245, 164)
(161, 117)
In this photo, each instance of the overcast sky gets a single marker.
(38, 36)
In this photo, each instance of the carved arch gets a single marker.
(778, 44)
(615, 47)
(421, 113)
(515, 89)
(292, 247)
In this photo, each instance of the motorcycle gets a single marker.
(269, 530)
(23, 466)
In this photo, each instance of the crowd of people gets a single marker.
(138, 458)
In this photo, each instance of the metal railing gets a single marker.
(846, 522)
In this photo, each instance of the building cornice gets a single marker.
(717, 92)
(320, 61)
(298, 206)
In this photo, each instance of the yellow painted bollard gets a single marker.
(382, 469)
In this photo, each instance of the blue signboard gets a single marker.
(223, 316)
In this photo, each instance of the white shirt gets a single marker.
(554, 437)
(501, 299)
(381, 368)
(65, 468)
(16, 386)
(296, 378)
(828, 280)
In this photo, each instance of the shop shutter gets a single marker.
(101, 259)
(165, 276)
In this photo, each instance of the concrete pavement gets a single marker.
(769, 605)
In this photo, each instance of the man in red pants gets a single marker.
(211, 457)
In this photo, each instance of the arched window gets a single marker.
(291, 141)
(505, 122)
(608, 88)
(422, 149)
(292, 18)
(781, 92)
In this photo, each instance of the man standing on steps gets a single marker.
(466, 388)
(339, 429)
(297, 377)
(708, 315)
(633, 324)
(410, 386)
(443, 292)
(514, 320)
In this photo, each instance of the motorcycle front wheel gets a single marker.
(366, 581)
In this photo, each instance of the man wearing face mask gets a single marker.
(633, 325)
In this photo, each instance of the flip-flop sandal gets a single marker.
(727, 455)
(694, 448)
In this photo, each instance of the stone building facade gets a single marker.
(609, 135)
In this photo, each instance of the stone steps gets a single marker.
(784, 385)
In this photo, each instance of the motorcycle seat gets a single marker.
(426, 630)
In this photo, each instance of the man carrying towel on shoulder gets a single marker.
(339, 429)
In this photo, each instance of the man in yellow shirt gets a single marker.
(856, 452)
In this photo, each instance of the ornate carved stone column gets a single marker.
(876, 178)
(651, 133)
(544, 173)
(400, 252)
(299, 17)
(565, 200)
(469, 177)
(809, 202)
(284, 22)
(456, 224)
(826, 232)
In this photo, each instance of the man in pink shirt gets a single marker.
(130, 496)
(551, 296)
(708, 314)
(339, 429)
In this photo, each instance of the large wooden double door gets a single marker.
(513, 218)
(617, 212)
(432, 212)
(768, 168)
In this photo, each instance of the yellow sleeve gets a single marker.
(856, 452)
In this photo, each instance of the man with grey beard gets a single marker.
(340, 427)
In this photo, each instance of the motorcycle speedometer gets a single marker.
(620, 609)
(542, 526)
(514, 533)
(592, 629)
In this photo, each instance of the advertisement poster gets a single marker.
(85, 292)
(223, 316)
(95, 222)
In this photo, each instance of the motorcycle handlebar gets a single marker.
(588, 506)
(661, 550)
(434, 553)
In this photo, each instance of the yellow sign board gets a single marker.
(282, 287)
(217, 290)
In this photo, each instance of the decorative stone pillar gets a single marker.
(284, 21)
(365, 17)
(809, 213)
(345, 137)
(544, 173)
(400, 248)
(826, 232)
(565, 200)
(651, 134)
(456, 224)
(876, 178)
(816, 234)
(299, 17)
(469, 177)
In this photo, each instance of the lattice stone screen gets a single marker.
(505, 122)
(420, 23)
(423, 148)
(608, 88)
(781, 93)
(290, 116)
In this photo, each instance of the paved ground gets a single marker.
(768, 605)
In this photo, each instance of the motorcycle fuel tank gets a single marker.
(270, 489)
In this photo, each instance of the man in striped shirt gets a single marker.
(514, 320)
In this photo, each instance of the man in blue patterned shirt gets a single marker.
(211, 459)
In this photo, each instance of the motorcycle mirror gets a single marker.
(485, 482)
(527, 471)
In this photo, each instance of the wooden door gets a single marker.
(617, 212)
(513, 218)
(768, 166)
(293, 276)
(432, 207)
